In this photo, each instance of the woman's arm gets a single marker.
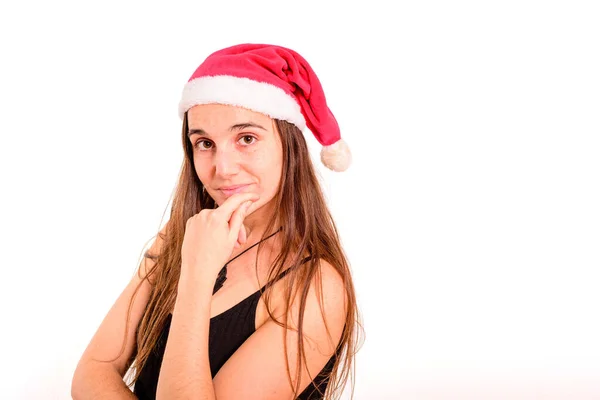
(94, 379)
(185, 369)
(104, 380)
(107, 383)
(209, 240)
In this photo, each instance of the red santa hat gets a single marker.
(274, 81)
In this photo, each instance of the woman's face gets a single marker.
(235, 150)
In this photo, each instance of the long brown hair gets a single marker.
(308, 227)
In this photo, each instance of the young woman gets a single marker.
(246, 293)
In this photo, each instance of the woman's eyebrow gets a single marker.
(196, 132)
(245, 125)
(232, 128)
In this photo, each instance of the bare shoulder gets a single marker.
(328, 284)
(332, 281)
(325, 307)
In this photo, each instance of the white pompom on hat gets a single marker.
(274, 81)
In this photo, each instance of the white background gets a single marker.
(470, 215)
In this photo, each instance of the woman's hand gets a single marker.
(211, 235)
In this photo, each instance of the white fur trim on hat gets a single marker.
(337, 156)
(257, 96)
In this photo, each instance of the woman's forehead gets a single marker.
(222, 116)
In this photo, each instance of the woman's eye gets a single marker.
(203, 147)
(248, 139)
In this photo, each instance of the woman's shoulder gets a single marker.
(323, 312)
(326, 285)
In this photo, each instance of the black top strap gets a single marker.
(222, 276)
(284, 273)
(255, 244)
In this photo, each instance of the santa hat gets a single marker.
(274, 81)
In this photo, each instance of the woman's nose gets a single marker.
(226, 162)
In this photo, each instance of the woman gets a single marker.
(246, 292)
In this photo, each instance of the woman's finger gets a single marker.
(230, 205)
(243, 237)
(236, 223)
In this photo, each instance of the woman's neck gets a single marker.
(256, 230)
(256, 223)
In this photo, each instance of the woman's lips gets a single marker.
(233, 190)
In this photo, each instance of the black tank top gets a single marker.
(228, 331)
